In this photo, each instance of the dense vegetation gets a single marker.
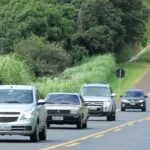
(46, 33)
(41, 39)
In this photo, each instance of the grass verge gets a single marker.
(134, 73)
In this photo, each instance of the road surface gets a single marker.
(130, 131)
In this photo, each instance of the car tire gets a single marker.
(34, 137)
(123, 108)
(110, 117)
(42, 134)
(48, 125)
(144, 109)
(85, 124)
(114, 116)
(80, 125)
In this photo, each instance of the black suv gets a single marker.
(133, 99)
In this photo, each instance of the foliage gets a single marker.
(134, 18)
(14, 71)
(21, 18)
(97, 40)
(42, 57)
(94, 69)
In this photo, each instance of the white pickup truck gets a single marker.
(21, 112)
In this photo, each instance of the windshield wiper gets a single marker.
(10, 102)
(50, 102)
(64, 103)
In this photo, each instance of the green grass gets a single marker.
(92, 70)
(134, 72)
(13, 71)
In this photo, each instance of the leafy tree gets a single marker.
(42, 57)
(21, 18)
(97, 39)
(135, 15)
(103, 13)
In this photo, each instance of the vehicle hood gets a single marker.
(15, 107)
(61, 107)
(133, 98)
(96, 98)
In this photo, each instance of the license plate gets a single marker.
(132, 103)
(57, 118)
(5, 128)
(92, 108)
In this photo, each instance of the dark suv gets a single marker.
(133, 99)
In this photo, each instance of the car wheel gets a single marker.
(79, 125)
(34, 137)
(114, 116)
(48, 125)
(85, 124)
(123, 109)
(110, 117)
(144, 109)
(42, 134)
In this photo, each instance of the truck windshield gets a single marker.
(16, 96)
(95, 91)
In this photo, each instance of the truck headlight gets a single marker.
(74, 111)
(27, 114)
(107, 104)
(141, 101)
(124, 100)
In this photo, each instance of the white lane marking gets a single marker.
(73, 144)
(116, 130)
(98, 136)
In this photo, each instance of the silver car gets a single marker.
(21, 113)
(100, 100)
(66, 108)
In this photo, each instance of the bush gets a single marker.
(78, 53)
(42, 57)
(97, 40)
(95, 69)
(14, 71)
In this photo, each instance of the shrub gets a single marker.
(42, 57)
(14, 71)
(94, 69)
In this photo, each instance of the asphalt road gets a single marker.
(130, 131)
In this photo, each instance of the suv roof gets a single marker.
(22, 87)
(96, 84)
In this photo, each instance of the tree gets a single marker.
(21, 18)
(103, 13)
(97, 40)
(42, 57)
(135, 15)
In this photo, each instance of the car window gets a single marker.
(16, 96)
(134, 94)
(95, 91)
(63, 99)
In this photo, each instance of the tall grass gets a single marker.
(95, 69)
(13, 71)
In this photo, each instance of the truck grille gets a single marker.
(95, 103)
(8, 119)
(58, 112)
(9, 113)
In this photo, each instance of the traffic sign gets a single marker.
(120, 72)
